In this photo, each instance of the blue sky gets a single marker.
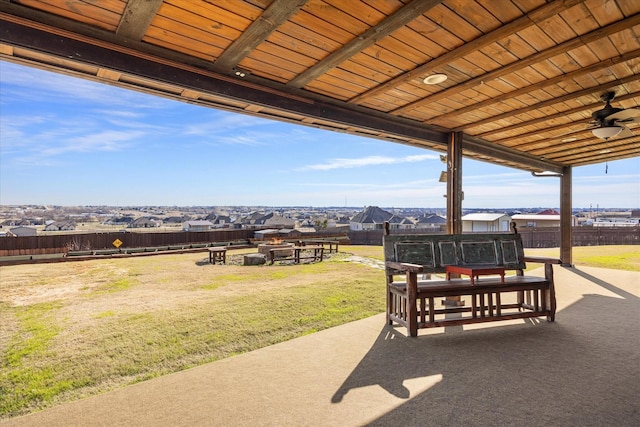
(68, 141)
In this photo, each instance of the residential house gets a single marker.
(120, 221)
(197, 225)
(252, 220)
(485, 222)
(221, 221)
(372, 218)
(545, 218)
(144, 222)
(548, 212)
(176, 219)
(60, 226)
(398, 222)
(22, 230)
(616, 222)
(536, 220)
(338, 222)
(273, 220)
(432, 222)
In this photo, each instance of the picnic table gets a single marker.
(218, 254)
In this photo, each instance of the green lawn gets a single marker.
(615, 257)
(75, 329)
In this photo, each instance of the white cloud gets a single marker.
(47, 148)
(100, 141)
(220, 123)
(340, 163)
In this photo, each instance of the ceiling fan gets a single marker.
(610, 121)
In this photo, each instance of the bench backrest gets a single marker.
(435, 251)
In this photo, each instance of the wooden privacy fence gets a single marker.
(63, 243)
(124, 241)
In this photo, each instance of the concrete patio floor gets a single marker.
(582, 370)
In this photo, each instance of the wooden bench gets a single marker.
(315, 253)
(413, 298)
(333, 245)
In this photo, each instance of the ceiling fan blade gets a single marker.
(629, 113)
(629, 120)
(625, 133)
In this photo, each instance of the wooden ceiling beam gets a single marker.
(137, 17)
(538, 15)
(620, 152)
(484, 148)
(397, 20)
(558, 49)
(278, 12)
(567, 97)
(537, 86)
(550, 102)
(583, 146)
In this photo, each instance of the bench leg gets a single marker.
(412, 309)
(490, 303)
(390, 306)
(474, 306)
(551, 292)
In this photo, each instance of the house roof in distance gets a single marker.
(483, 216)
(372, 215)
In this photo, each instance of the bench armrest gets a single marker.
(404, 267)
(548, 266)
(541, 260)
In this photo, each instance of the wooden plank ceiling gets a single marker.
(523, 76)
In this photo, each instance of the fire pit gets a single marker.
(283, 249)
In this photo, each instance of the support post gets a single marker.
(454, 183)
(454, 197)
(566, 226)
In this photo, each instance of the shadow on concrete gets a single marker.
(584, 369)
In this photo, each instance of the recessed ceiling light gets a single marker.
(240, 73)
(570, 139)
(607, 151)
(434, 79)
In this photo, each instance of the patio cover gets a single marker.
(523, 76)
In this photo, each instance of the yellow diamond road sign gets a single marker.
(117, 243)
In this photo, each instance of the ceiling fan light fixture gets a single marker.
(435, 79)
(606, 132)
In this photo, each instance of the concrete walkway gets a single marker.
(582, 370)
